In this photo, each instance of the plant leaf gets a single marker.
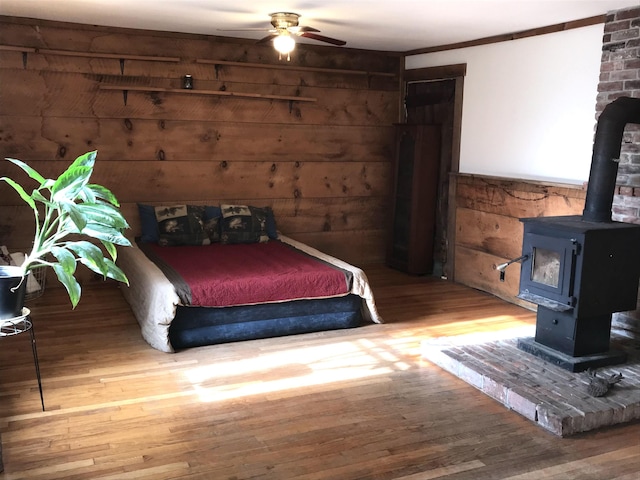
(106, 234)
(75, 177)
(111, 249)
(37, 196)
(70, 283)
(75, 214)
(70, 182)
(20, 191)
(104, 214)
(29, 170)
(86, 195)
(89, 255)
(115, 272)
(65, 258)
(85, 160)
(103, 193)
(111, 270)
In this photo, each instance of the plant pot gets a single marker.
(12, 290)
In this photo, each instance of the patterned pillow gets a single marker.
(181, 225)
(243, 224)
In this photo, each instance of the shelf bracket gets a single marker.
(122, 66)
(290, 106)
(24, 60)
(217, 69)
(125, 94)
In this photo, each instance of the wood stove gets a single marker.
(581, 269)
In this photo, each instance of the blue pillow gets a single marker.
(272, 229)
(212, 219)
(212, 212)
(148, 224)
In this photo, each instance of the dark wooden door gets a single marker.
(417, 163)
(433, 102)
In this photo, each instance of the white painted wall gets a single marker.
(528, 104)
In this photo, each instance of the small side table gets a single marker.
(16, 326)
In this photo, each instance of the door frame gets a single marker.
(455, 72)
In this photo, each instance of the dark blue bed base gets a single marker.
(197, 326)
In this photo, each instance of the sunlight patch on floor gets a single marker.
(483, 329)
(343, 361)
(294, 369)
(485, 336)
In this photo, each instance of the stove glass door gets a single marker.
(546, 276)
(545, 267)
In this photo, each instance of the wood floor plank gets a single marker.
(597, 466)
(349, 404)
(444, 471)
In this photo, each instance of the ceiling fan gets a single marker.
(285, 27)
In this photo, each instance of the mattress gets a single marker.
(155, 302)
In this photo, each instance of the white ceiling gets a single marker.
(397, 25)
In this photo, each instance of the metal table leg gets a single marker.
(16, 326)
(36, 362)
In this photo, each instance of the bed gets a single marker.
(229, 285)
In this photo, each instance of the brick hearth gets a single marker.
(553, 398)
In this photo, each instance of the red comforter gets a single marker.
(224, 275)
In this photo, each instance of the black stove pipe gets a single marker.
(606, 154)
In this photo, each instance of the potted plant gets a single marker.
(66, 210)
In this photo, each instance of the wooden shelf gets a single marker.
(13, 48)
(117, 56)
(127, 88)
(72, 53)
(157, 58)
(294, 67)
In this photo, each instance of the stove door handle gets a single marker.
(501, 268)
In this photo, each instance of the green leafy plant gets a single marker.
(67, 209)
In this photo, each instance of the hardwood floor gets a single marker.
(354, 404)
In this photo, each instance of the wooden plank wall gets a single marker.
(324, 166)
(489, 232)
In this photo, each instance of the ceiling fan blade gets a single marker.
(322, 38)
(244, 29)
(266, 39)
(299, 30)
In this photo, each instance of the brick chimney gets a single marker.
(620, 76)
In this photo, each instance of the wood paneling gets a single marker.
(179, 140)
(498, 235)
(489, 231)
(518, 198)
(139, 72)
(191, 181)
(477, 269)
(48, 94)
(325, 166)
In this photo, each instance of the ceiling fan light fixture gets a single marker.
(284, 44)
